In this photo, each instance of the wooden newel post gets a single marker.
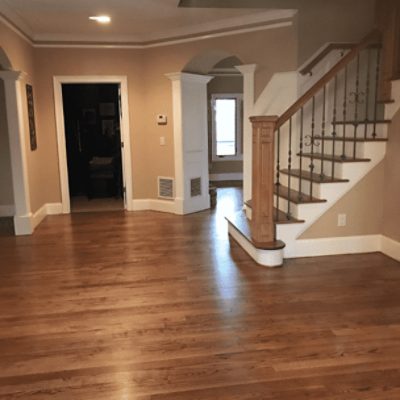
(262, 220)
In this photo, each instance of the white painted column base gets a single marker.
(23, 225)
(267, 258)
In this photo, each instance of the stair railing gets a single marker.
(345, 95)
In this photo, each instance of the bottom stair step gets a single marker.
(240, 222)
(279, 216)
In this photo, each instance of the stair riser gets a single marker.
(283, 206)
(328, 148)
(320, 191)
(381, 130)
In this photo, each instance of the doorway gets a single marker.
(93, 145)
(93, 142)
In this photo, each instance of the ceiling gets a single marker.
(133, 21)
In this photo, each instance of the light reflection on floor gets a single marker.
(229, 200)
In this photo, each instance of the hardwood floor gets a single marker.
(151, 306)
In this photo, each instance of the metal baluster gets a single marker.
(378, 64)
(323, 132)
(312, 145)
(278, 172)
(288, 215)
(334, 125)
(367, 84)
(344, 113)
(301, 151)
(356, 100)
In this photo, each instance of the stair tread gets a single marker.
(294, 196)
(339, 159)
(279, 216)
(239, 221)
(308, 176)
(352, 122)
(350, 139)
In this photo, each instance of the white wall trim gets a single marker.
(248, 72)
(157, 43)
(227, 176)
(334, 246)
(7, 210)
(390, 247)
(44, 211)
(168, 206)
(60, 127)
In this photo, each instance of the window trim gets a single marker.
(238, 135)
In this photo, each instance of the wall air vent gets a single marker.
(165, 187)
(195, 187)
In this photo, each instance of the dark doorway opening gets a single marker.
(93, 144)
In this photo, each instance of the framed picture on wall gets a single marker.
(31, 117)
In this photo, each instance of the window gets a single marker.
(226, 126)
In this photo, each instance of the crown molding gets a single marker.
(262, 21)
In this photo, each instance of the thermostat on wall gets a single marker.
(161, 119)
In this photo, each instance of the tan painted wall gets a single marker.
(391, 200)
(6, 192)
(362, 205)
(149, 94)
(332, 21)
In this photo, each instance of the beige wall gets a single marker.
(332, 21)
(362, 206)
(149, 94)
(391, 198)
(6, 192)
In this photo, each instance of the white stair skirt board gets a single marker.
(390, 247)
(267, 258)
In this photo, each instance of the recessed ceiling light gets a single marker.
(101, 19)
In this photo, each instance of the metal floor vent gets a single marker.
(195, 187)
(165, 187)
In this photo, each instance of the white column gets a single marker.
(16, 132)
(189, 94)
(248, 72)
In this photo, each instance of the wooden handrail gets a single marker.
(373, 36)
(307, 69)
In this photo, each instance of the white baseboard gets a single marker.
(54, 208)
(39, 216)
(333, 246)
(228, 176)
(390, 247)
(23, 225)
(168, 206)
(46, 209)
(7, 210)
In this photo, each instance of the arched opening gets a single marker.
(7, 207)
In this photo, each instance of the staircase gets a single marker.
(313, 154)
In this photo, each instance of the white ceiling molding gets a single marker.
(171, 35)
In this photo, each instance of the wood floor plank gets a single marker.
(152, 306)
